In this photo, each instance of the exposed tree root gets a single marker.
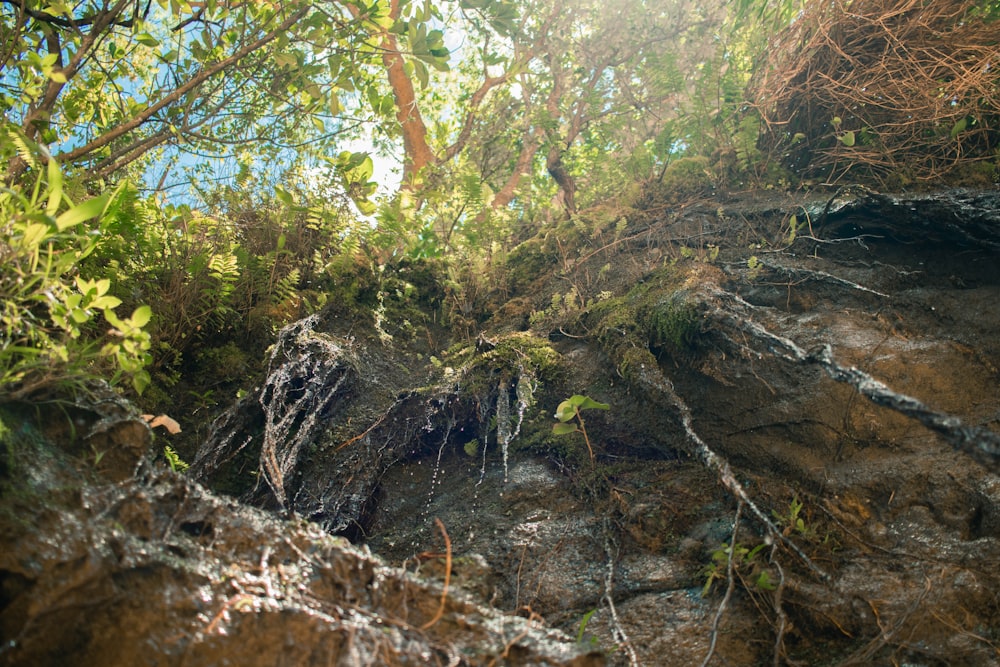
(981, 444)
(730, 587)
(447, 575)
(617, 628)
(821, 276)
(653, 379)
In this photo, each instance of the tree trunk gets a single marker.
(558, 172)
(417, 153)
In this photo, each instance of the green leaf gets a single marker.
(34, 234)
(285, 60)
(590, 404)
(146, 39)
(284, 196)
(583, 625)
(959, 127)
(383, 20)
(84, 211)
(113, 320)
(566, 411)
(141, 316)
(366, 206)
(314, 90)
(140, 380)
(363, 172)
(764, 582)
(57, 9)
(847, 138)
(333, 103)
(55, 188)
(106, 302)
(563, 429)
(420, 71)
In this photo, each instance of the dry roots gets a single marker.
(914, 84)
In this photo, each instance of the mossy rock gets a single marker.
(511, 354)
(657, 314)
(672, 322)
(527, 263)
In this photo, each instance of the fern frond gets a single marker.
(27, 149)
(472, 191)
(224, 266)
(287, 288)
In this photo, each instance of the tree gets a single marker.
(545, 77)
(105, 84)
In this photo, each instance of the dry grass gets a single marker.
(918, 84)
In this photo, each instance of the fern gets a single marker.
(27, 150)
(287, 289)
(176, 463)
(620, 225)
(224, 267)
(745, 141)
(472, 191)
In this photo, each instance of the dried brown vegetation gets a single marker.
(915, 86)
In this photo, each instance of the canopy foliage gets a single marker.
(501, 116)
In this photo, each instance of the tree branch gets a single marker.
(71, 23)
(196, 81)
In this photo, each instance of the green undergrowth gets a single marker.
(521, 351)
(658, 318)
(682, 180)
(398, 306)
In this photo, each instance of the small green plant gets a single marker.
(744, 559)
(98, 455)
(569, 410)
(50, 331)
(174, 460)
(471, 447)
(792, 520)
(581, 636)
(707, 254)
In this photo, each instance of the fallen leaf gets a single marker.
(163, 420)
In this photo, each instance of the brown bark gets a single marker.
(522, 168)
(565, 181)
(418, 153)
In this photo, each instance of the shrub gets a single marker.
(50, 323)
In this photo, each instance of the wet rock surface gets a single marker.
(798, 467)
(156, 570)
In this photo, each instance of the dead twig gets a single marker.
(779, 635)
(617, 628)
(447, 575)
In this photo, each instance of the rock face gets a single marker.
(799, 466)
(155, 570)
